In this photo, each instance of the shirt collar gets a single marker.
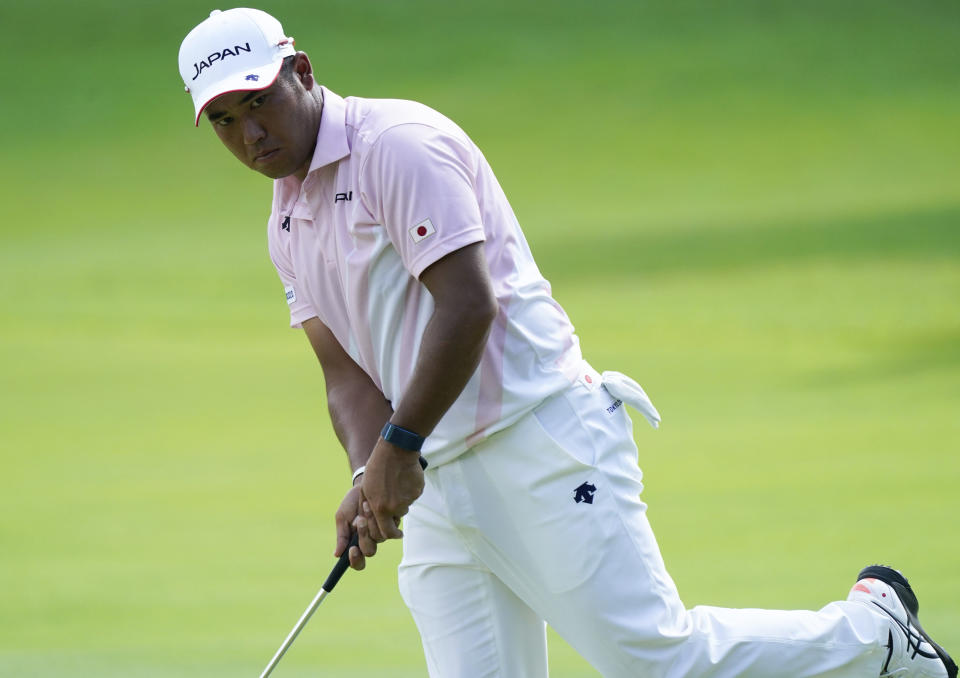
(332, 142)
(332, 145)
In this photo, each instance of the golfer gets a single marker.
(404, 264)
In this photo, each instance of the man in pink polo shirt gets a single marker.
(404, 264)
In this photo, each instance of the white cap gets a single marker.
(237, 50)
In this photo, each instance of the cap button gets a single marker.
(215, 12)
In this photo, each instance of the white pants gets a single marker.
(497, 546)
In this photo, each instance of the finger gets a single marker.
(372, 526)
(388, 526)
(357, 561)
(343, 534)
(367, 545)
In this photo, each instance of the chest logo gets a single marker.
(343, 197)
(285, 226)
(422, 230)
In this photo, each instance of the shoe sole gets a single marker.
(900, 584)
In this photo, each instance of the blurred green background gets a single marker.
(750, 206)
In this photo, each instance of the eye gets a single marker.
(223, 122)
(258, 102)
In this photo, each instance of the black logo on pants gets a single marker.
(584, 493)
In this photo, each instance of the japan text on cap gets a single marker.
(236, 50)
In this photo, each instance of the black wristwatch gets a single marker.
(401, 437)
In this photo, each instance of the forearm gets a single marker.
(358, 411)
(453, 341)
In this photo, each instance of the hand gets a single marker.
(349, 519)
(392, 482)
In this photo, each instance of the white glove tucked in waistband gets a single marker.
(624, 388)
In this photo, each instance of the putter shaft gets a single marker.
(295, 632)
(342, 564)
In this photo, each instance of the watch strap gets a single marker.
(401, 437)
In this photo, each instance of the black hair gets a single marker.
(286, 69)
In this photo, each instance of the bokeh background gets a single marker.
(751, 206)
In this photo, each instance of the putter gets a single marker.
(342, 564)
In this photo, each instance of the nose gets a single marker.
(252, 131)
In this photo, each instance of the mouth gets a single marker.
(265, 156)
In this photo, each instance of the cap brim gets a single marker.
(247, 81)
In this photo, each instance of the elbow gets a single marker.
(486, 307)
(471, 311)
(483, 308)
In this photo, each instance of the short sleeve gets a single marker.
(420, 181)
(300, 308)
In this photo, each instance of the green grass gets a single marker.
(751, 207)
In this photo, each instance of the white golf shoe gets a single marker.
(910, 651)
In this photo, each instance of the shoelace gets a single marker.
(914, 639)
(889, 646)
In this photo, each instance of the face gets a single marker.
(273, 130)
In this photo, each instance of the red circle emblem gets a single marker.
(588, 379)
(421, 231)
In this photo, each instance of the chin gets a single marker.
(273, 173)
(276, 171)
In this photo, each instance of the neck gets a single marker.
(317, 94)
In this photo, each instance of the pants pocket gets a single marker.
(563, 509)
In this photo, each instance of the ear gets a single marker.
(303, 70)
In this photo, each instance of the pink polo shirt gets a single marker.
(393, 187)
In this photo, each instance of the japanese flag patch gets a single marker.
(422, 230)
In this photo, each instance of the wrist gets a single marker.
(394, 454)
(357, 474)
(403, 438)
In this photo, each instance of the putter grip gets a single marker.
(344, 562)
